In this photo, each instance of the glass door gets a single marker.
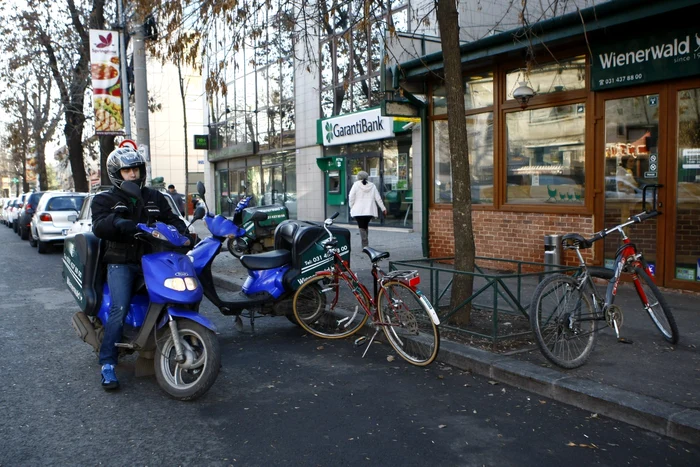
(273, 186)
(632, 159)
(370, 163)
(685, 234)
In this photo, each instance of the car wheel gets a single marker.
(42, 247)
(24, 233)
(32, 242)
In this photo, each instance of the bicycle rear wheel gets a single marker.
(407, 324)
(563, 321)
(657, 307)
(328, 309)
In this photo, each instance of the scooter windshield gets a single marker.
(166, 231)
(219, 226)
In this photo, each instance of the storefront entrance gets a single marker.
(651, 135)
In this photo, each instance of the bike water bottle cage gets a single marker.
(575, 241)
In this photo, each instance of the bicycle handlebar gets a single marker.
(581, 242)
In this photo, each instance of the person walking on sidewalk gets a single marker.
(364, 198)
(178, 198)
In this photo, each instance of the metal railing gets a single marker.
(500, 287)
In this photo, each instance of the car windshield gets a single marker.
(65, 203)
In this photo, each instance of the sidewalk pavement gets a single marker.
(649, 384)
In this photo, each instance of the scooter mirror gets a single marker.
(200, 189)
(132, 189)
(199, 213)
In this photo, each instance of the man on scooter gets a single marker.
(114, 218)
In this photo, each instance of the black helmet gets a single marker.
(125, 158)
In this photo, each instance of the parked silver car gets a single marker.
(54, 216)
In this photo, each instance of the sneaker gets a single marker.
(109, 379)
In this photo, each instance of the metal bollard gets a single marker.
(552, 251)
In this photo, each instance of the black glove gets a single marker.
(127, 227)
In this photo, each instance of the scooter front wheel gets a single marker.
(192, 378)
(237, 247)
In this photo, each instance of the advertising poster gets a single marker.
(106, 82)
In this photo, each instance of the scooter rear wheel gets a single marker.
(237, 247)
(191, 379)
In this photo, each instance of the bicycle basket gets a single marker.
(410, 278)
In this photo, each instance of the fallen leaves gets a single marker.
(581, 445)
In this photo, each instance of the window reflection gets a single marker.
(688, 186)
(478, 93)
(566, 75)
(480, 147)
(353, 61)
(545, 155)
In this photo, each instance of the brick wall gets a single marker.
(509, 235)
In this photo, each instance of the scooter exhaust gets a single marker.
(85, 329)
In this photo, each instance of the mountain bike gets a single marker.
(334, 304)
(565, 311)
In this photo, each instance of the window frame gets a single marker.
(500, 108)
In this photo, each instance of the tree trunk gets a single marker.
(106, 147)
(41, 165)
(73, 132)
(463, 284)
(184, 119)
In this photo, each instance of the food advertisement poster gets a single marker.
(106, 82)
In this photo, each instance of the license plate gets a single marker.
(64, 232)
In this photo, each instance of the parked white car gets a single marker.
(15, 208)
(3, 210)
(54, 216)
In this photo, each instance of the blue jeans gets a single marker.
(120, 278)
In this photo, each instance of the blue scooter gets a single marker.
(264, 290)
(163, 323)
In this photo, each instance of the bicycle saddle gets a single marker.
(575, 241)
(375, 255)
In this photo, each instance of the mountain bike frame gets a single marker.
(627, 259)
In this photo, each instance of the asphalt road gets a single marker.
(282, 398)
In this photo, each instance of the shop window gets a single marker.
(546, 155)
(565, 75)
(478, 93)
(480, 147)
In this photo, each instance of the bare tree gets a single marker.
(60, 32)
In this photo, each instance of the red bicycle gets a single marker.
(565, 310)
(326, 308)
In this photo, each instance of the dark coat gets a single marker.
(114, 218)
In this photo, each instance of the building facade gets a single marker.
(615, 109)
(607, 117)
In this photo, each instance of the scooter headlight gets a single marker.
(175, 283)
(181, 284)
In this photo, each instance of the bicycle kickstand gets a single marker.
(362, 339)
(621, 340)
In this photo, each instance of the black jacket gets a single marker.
(114, 218)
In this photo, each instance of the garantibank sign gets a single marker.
(659, 56)
(353, 128)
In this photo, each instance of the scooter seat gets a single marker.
(268, 260)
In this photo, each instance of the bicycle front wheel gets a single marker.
(563, 321)
(407, 324)
(328, 309)
(655, 304)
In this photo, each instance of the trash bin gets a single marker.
(552, 251)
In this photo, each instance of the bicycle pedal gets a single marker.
(360, 341)
(622, 340)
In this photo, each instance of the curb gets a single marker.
(645, 412)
